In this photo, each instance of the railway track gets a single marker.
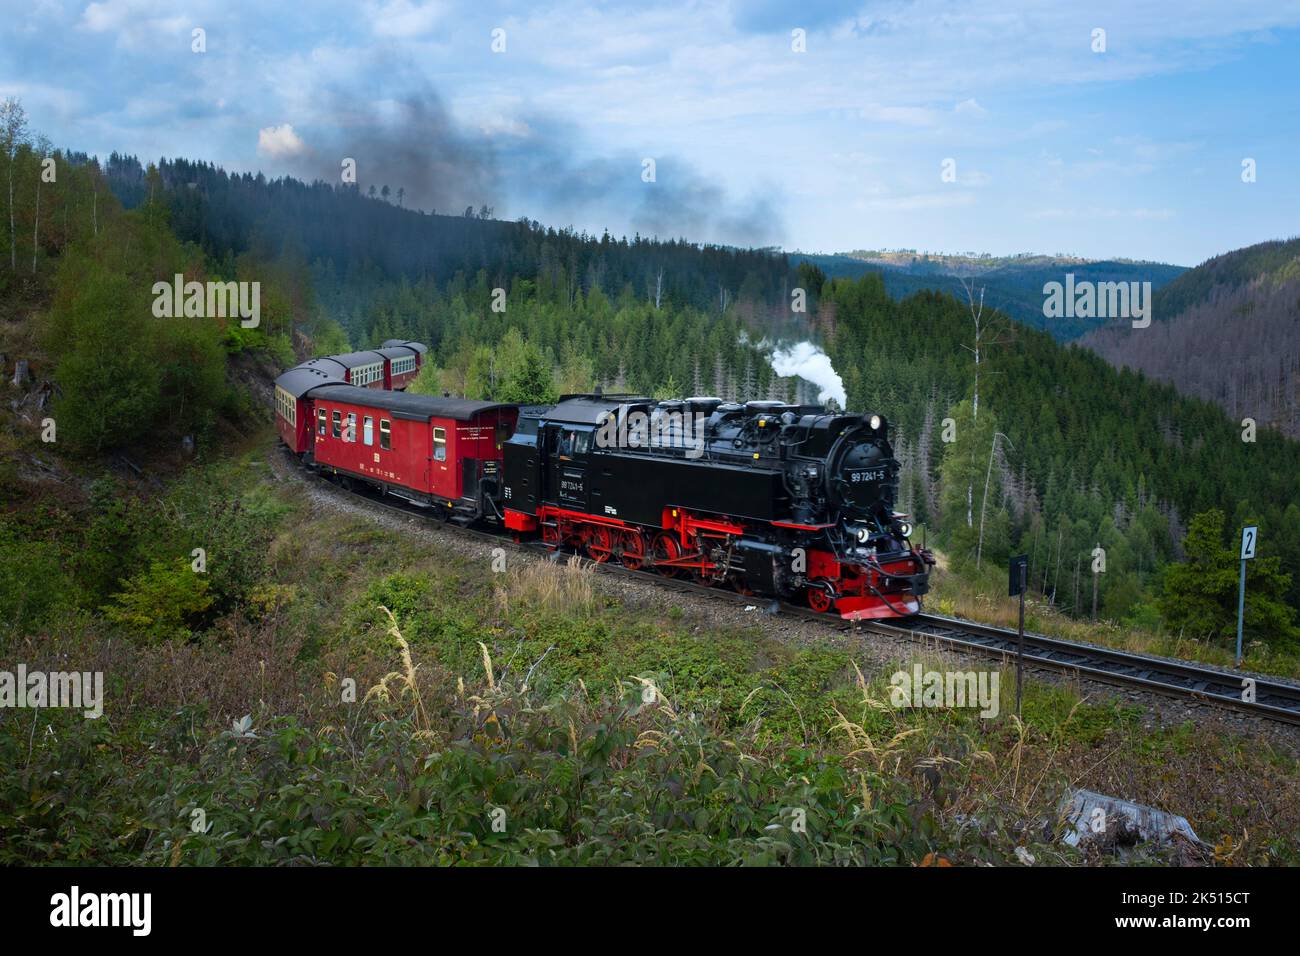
(1246, 693)
(1258, 696)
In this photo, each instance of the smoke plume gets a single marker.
(808, 361)
(533, 166)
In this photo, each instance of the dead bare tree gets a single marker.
(979, 547)
(983, 329)
(977, 316)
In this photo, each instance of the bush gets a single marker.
(162, 602)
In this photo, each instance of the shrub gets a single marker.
(162, 601)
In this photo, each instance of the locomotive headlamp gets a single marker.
(864, 534)
(905, 529)
(875, 423)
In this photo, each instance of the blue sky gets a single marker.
(1135, 151)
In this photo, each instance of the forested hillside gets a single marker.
(81, 340)
(1227, 331)
(354, 239)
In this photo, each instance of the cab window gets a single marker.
(385, 433)
(440, 444)
(574, 442)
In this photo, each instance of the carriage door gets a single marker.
(571, 447)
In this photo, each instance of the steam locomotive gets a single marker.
(787, 501)
(782, 500)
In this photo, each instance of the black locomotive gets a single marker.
(784, 500)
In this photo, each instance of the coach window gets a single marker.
(350, 434)
(337, 430)
(322, 421)
(385, 434)
(440, 444)
(368, 430)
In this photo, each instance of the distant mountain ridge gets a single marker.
(968, 263)
(1227, 331)
(1013, 284)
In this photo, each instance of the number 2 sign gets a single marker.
(1248, 538)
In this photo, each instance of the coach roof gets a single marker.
(329, 365)
(353, 359)
(394, 343)
(404, 405)
(302, 379)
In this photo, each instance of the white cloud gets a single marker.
(280, 142)
(906, 115)
(970, 107)
(401, 18)
(136, 23)
(944, 200)
(1094, 213)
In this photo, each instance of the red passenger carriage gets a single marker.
(432, 451)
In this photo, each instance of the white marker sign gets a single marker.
(1248, 536)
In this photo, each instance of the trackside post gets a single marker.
(1249, 537)
(1017, 582)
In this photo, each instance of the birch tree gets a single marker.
(41, 147)
(13, 136)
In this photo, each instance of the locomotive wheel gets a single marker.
(819, 599)
(600, 544)
(633, 555)
(666, 548)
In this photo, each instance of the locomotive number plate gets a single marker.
(858, 476)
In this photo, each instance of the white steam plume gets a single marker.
(808, 361)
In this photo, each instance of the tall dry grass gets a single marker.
(553, 586)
